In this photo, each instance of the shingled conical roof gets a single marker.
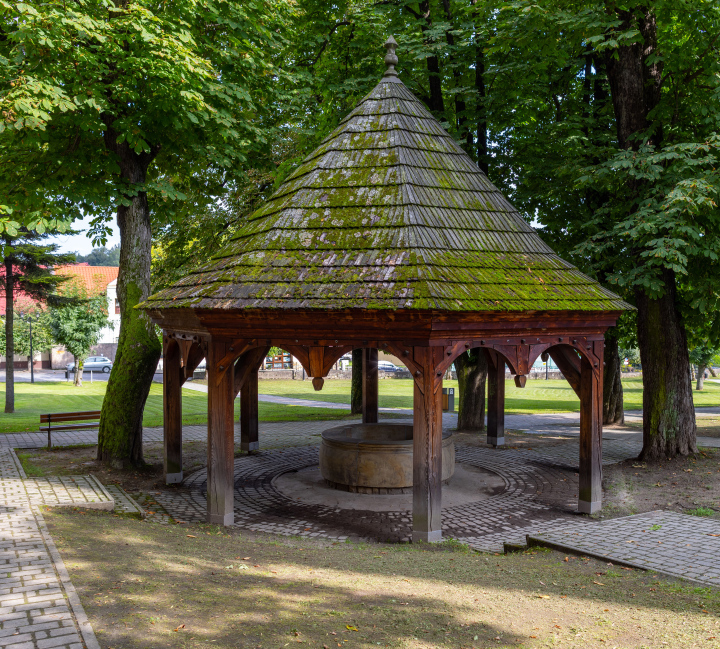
(387, 213)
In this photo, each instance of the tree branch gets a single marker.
(310, 64)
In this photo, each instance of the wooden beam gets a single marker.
(370, 385)
(427, 447)
(568, 363)
(249, 435)
(496, 399)
(221, 438)
(172, 413)
(590, 493)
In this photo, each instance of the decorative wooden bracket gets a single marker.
(234, 350)
(249, 362)
(318, 361)
(192, 354)
(568, 362)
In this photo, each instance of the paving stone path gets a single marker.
(666, 542)
(39, 608)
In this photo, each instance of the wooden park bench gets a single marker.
(53, 419)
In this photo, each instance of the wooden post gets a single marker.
(370, 385)
(427, 448)
(172, 413)
(221, 437)
(590, 494)
(496, 399)
(249, 439)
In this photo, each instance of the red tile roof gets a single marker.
(93, 278)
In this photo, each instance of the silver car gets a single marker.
(94, 363)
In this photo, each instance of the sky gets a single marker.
(79, 243)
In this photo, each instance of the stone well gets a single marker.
(375, 458)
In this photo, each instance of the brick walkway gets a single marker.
(667, 542)
(39, 607)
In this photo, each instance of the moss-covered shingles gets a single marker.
(387, 213)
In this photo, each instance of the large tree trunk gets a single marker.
(9, 337)
(139, 348)
(700, 377)
(613, 411)
(668, 411)
(635, 74)
(356, 383)
(472, 371)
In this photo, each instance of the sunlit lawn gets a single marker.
(32, 400)
(537, 397)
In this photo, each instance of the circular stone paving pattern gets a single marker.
(499, 496)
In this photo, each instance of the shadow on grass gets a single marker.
(189, 586)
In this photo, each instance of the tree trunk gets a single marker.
(9, 337)
(712, 372)
(472, 371)
(700, 377)
(482, 138)
(435, 101)
(613, 412)
(356, 383)
(139, 348)
(461, 118)
(668, 411)
(79, 364)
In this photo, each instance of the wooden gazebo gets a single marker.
(389, 237)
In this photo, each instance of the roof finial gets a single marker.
(391, 58)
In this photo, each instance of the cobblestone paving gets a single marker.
(667, 542)
(540, 494)
(39, 607)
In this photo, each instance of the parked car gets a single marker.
(387, 366)
(93, 363)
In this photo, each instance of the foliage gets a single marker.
(101, 256)
(32, 263)
(631, 354)
(42, 337)
(76, 325)
(74, 75)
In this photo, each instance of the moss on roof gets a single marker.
(387, 213)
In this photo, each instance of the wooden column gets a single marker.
(590, 494)
(249, 439)
(427, 447)
(370, 385)
(496, 399)
(221, 434)
(172, 413)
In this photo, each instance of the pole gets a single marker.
(32, 359)
(547, 368)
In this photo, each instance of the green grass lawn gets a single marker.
(537, 396)
(32, 400)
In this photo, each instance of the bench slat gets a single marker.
(70, 416)
(45, 429)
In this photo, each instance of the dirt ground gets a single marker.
(201, 586)
(690, 485)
